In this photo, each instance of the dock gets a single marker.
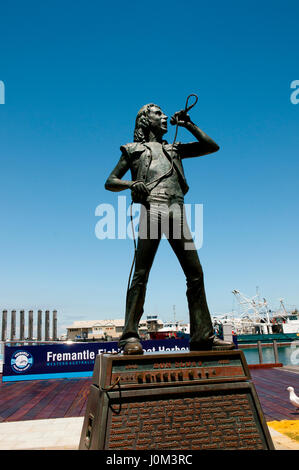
(60, 404)
(66, 398)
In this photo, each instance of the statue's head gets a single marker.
(150, 118)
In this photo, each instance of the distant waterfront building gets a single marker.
(104, 329)
(153, 323)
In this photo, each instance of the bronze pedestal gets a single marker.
(184, 401)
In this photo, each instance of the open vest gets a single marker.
(139, 158)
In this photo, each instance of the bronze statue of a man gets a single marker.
(159, 183)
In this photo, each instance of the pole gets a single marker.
(30, 325)
(4, 325)
(13, 325)
(275, 349)
(259, 345)
(22, 325)
(39, 325)
(47, 325)
(54, 326)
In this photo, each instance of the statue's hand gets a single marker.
(139, 191)
(181, 118)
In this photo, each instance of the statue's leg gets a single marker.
(145, 254)
(201, 328)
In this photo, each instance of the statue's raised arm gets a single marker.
(204, 145)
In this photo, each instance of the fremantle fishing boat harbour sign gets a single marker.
(69, 360)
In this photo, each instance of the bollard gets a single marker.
(259, 345)
(275, 349)
(4, 325)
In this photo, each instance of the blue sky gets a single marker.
(75, 75)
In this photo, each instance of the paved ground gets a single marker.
(64, 434)
(282, 442)
(43, 434)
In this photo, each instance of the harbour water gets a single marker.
(287, 355)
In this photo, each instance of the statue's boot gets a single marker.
(132, 346)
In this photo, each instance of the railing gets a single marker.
(275, 350)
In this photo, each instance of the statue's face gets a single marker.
(157, 120)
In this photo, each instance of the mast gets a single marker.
(253, 306)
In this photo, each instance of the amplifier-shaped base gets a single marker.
(184, 401)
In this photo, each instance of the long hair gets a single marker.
(141, 131)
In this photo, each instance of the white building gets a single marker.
(101, 329)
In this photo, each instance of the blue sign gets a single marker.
(48, 361)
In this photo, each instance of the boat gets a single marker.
(171, 330)
(256, 321)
